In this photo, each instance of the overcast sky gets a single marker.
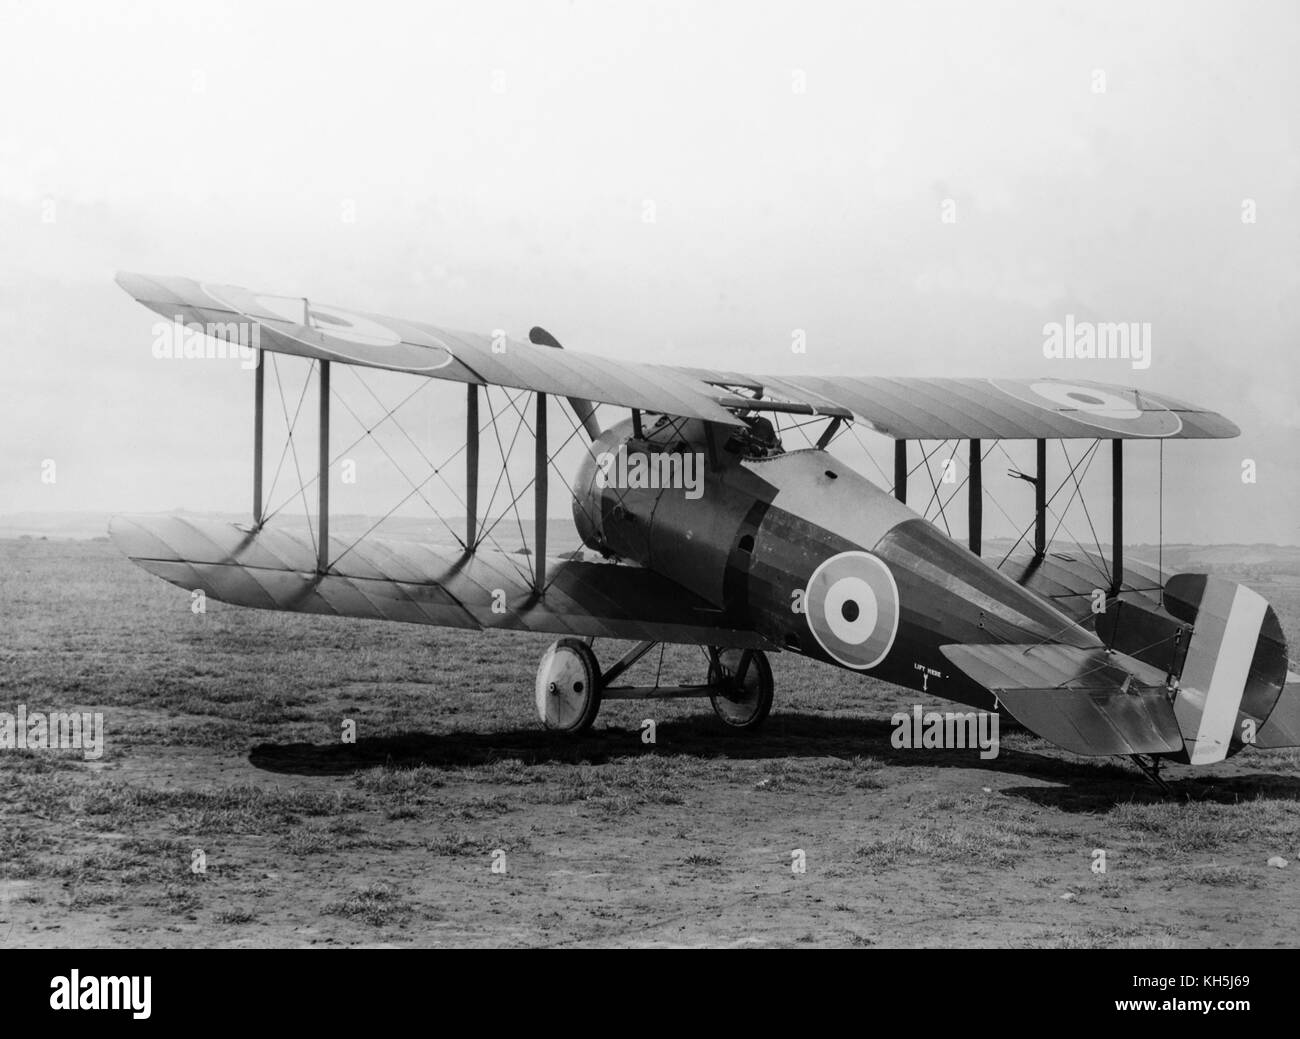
(499, 162)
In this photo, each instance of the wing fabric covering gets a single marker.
(995, 409)
(905, 408)
(1079, 699)
(414, 582)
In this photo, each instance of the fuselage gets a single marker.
(810, 553)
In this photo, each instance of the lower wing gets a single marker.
(412, 581)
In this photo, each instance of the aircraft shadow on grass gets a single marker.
(1078, 784)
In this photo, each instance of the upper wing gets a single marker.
(906, 409)
(412, 581)
(293, 325)
(993, 409)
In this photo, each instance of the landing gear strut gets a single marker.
(570, 685)
(1151, 769)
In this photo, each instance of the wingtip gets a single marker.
(139, 284)
(131, 282)
(119, 528)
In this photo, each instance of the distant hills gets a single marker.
(84, 526)
(561, 536)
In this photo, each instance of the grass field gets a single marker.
(223, 737)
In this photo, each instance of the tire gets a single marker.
(568, 687)
(750, 702)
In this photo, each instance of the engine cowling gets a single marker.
(664, 500)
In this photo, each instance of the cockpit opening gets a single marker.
(756, 439)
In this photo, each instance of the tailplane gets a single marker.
(1087, 701)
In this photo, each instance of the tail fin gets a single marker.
(1235, 667)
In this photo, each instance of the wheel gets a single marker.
(568, 686)
(748, 677)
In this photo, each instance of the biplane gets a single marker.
(778, 547)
